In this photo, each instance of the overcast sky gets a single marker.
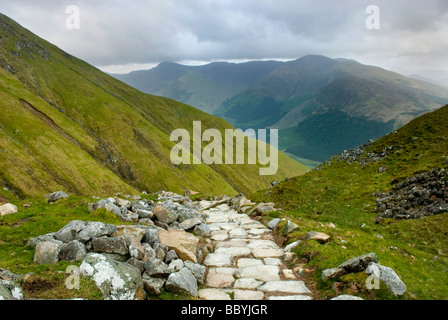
(120, 36)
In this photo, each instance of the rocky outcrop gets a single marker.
(421, 195)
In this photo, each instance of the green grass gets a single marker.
(341, 193)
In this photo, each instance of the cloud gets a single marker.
(134, 33)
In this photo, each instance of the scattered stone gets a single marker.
(153, 286)
(163, 214)
(184, 243)
(359, 264)
(332, 273)
(318, 236)
(139, 264)
(55, 196)
(290, 227)
(273, 223)
(189, 223)
(8, 208)
(388, 276)
(197, 270)
(176, 265)
(157, 268)
(202, 230)
(292, 245)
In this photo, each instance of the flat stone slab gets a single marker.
(238, 233)
(222, 270)
(221, 236)
(213, 294)
(262, 273)
(262, 244)
(289, 286)
(272, 261)
(267, 253)
(247, 295)
(219, 280)
(232, 243)
(234, 251)
(247, 284)
(297, 297)
(245, 262)
(218, 260)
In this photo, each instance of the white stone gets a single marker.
(213, 294)
(262, 244)
(247, 283)
(245, 262)
(267, 253)
(234, 251)
(288, 274)
(218, 260)
(262, 273)
(247, 295)
(296, 297)
(8, 208)
(289, 286)
(272, 261)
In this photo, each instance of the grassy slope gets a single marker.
(342, 193)
(85, 132)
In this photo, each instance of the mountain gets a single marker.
(66, 125)
(389, 196)
(205, 87)
(324, 106)
(321, 105)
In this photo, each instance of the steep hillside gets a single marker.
(361, 191)
(205, 87)
(66, 125)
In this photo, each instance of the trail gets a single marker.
(246, 263)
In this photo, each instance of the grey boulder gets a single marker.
(182, 282)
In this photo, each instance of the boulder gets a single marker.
(184, 243)
(189, 223)
(149, 252)
(388, 276)
(116, 245)
(139, 264)
(70, 231)
(182, 282)
(129, 231)
(55, 196)
(170, 256)
(8, 208)
(197, 270)
(9, 290)
(157, 268)
(176, 265)
(152, 285)
(116, 280)
(95, 229)
(142, 214)
(47, 252)
(358, 264)
(318, 236)
(45, 237)
(273, 223)
(73, 251)
(163, 214)
(151, 236)
(135, 248)
(123, 203)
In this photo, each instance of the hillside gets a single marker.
(66, 125)
(352, 190)
(205, 87)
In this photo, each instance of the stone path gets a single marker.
(246, 263)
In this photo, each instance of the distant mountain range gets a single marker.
(321, 105)
(65, 125)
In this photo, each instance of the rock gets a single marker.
(182, 282)
(55, 196)
(129, 231)
(45, 237)
(70, 231)
(170, 255)
(8, 208)
(74, 251)
(142, 214)
(290, 227)
(262, 273)
(292, 245)
(47, 252)
(213, 294)
(161, 251)
(135, 248)
(184, 243)
(273, 223)
(247, 284)
(358, 264)
(219, 280)
(9, 290)
(157, 268)
(247, 295)
(197, 270)
(176, 265)
(388, 276)
(10, 276)
(189, 223)
(274, 183)
(318, 236)
(382, 169)
(202, 230)
(151, 236)
(139, 264)
(218, 260)
(346, 297)
(116, 245)
(153, 286)
(95, 230)
(264, 209)
(116, 280)
(163, 214)
(123, 203)
(332, 273)
(149, 252)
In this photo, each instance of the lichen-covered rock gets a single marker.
(70, 231)
(73, 251)
(95, 229)
(116, 280)
(9, 290)
(359, 264)
(388, 276)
